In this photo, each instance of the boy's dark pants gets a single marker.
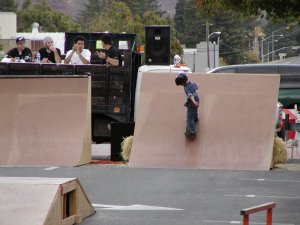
(191, 120)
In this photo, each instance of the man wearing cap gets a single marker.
(111, 55)
(50, 54)
(20, 52)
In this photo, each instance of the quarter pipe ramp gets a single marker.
(236, 122)
(45, 121)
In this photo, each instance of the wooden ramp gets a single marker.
(45, 121)
(236, 125)
(42, 201)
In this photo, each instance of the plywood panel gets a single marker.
(44, 121)
(235, 130)
(39, 201)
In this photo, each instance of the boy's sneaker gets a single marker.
(190, 135)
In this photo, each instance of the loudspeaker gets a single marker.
(157, 45)
(119, 131)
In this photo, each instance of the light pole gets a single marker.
(217, 33)
(273, 39)
(207, 43)
(262, 45)
(269, 48)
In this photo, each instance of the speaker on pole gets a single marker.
(157, 45)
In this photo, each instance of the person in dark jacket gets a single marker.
(50, 54)
(111, 55)
(20, 52)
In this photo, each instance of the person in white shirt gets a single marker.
(78, 54)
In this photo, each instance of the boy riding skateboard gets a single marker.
(192, 104)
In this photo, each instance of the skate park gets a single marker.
(173, 189)
(51, 172)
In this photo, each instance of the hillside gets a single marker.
(69, 7)
(168, 6)
(74, 7)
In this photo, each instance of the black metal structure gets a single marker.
(3, 68)
(113, 88)
(24, 69)
(119, 131)
(93, 41)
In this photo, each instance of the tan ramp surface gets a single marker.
(236, 125)
(45, 121)
(42, 201)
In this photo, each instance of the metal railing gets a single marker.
(247, 212)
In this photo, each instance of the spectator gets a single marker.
(49, 53)
(111, 55)
(21, 52)
(78, 54)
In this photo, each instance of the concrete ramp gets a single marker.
(235, 129)
(42, 201)
(45, 121)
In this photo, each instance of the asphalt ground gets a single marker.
(196, 197)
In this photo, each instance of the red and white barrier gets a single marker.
(293, 143)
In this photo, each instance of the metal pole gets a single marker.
(262, 50)
(194, 62)
(273, 39)
(269, 217)
(272, 46)
(246, 220)
(268, 52)
(207, 42)
(286, 127)
(218, 56)
(214, 54)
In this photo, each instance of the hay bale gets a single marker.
(126, 148)
(279, 152)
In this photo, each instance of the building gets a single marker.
(8, 25)
(196, 58)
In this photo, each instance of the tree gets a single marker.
(179, 19)
(190, 23)
(116, 19)
(92, 8)
(27, 4)
(49, 20)
(8, 6)
(274, 8)
(141, 6)
(119, 18)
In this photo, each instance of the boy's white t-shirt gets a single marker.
(75, 57)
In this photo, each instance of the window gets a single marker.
(123, 45)
(273, 69)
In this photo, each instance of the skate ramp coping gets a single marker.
(237, 115)
(43, 201)
(45, 121)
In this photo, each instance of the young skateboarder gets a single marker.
(192, 104)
